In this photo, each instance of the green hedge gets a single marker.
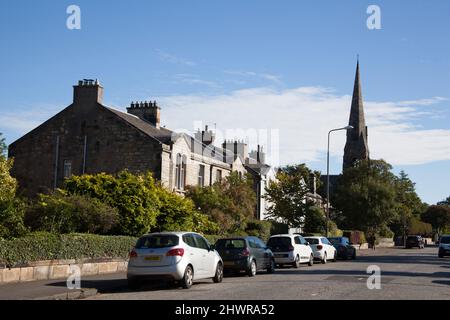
(47, 246)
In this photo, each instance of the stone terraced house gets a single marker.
(90, 137)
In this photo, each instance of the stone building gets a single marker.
(90, 137)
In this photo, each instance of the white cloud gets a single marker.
(303, 117)
(169, 57)
(264, 76)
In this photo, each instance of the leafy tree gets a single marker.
(11, 209)
(3, 147)
(315, 221)
(438, 216)
(62, 213)
(179, 214)
(230, 203)
(135, 197)
(366, 196)
(409, 205)
(287, 195)
(445, 202)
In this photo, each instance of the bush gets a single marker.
(60, 213)
(11, 219)
(178, 214)
(418, 227)
(260, 229)
(46, 246)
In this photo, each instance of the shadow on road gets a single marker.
(447, 282)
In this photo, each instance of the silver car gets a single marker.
(177, 256)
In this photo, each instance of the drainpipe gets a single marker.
(56, 163)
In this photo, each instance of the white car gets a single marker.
(444, 246)
(290, 249)
(177, 256)
(322, 248)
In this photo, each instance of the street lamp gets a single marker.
(328, 173)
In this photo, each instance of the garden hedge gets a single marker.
(46, 246)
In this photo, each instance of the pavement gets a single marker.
(405, 274)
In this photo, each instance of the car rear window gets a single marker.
(445, 240)
(230, 244)
(157, 241)
(312, 240)
(279, 242)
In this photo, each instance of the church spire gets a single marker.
(356, 147)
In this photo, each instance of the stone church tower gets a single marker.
(356, 147)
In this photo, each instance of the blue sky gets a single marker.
(276, 65)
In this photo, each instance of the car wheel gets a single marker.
(188, 278)
(311, 260)
(218, 277)
(324, 260)
(296, 263)
(271, 268)
(133, 284)
(251, 272)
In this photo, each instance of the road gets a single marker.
(405, 274)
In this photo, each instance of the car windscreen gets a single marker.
(279, 242)
(157, 241)
(445, 240)
(230, 244)
(312, 240)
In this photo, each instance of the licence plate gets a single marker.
(228, 263)
(152, 258)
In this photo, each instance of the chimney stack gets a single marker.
(147, 111)
(88, 91)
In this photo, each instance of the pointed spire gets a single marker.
(356, 147)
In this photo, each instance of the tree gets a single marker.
(230, 203)
(287, 195)
(365, 196)
(315, 221)
(438, 216)
(445, 202)
(3, 147)
(409, 205)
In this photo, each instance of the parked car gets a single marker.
(290, 249)
(249, 254)
(415, 241)
(444, 246)
(322, 249)
(344, 248)
(178, 256)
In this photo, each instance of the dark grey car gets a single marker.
(344, 248)
(249, 254)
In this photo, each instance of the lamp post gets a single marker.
(328, 173)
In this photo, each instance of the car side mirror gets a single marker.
(307, 244)
(212, 247)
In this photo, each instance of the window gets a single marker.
(252, 243)
(219, 176)
(231, 244)
(67, 168)
(180, 172)
(297, 240)
(201, 243)
(201, 176)
(157, 241)
(189, 240)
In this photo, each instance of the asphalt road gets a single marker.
(405, 274)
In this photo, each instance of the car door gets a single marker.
(194, 254)
(329, 249)
(207, 256)
(305, 250)
(266, 252)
